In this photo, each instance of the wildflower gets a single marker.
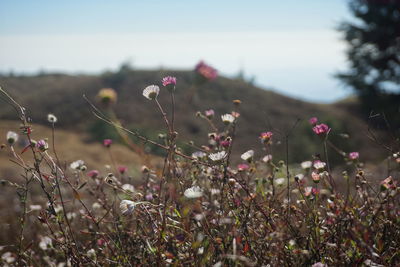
(107, 142)
(299, 178)
(127, 207)
(42, 145)
(96, 206)
(308, 191)
(319, 264)
(128, 187)
(388, 183)
(354, 155)
(51, 118)
(35, 207)
(321, 129)
(12, 137)
(209, 113)
(144, 169)
(248, 155)
(319, 165)
(91, 253)
(280, 181)
(227, 118)
(77, 165)
(217, 156)
(122, 169)
(149, 197)
(313, 121)
(45, 243)
(8, 257)
(267, 158)
(207, 72)
(198, 154)
(193, 192)
(93, 174)
(225, 143)
(306, 165)
(169, 82)
(266, 137)
(316, 177)
(151, 92)
(235, 114)
(232, 181)
(237, 102)
(243, 167)
(107, 96)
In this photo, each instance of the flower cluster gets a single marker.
(198, 203)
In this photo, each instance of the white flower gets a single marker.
(267, 158)
(199, 217)
(306, 164)
(193, 192)
(227, 118)
(217, 156)
(91, 253)
(77, 165)
(198, 154)
(127, 207)
(12, 137)
(35, 207)
(71, 215)
(299, 177)
(45, 243)
(128, 187)
(215, 191)
(96, 206)
(247, 155)
(319, 165)
(8, 257)
(280, 181)
(51, 118)
(151, 92)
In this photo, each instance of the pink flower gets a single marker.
(313, 120)
(225, 143)
(243, 167)
(354, 155)
(266, 137)
(206, 71)
(168, 80)
(321, 129)
(315, 191)
(107, 142)
(209, 113)
(122, 169)
(315, 176)
(235, 114)
(42, 145)
(93, 174)
(388, 183)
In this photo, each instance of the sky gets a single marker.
(289, 46)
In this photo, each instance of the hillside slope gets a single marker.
(261, 110)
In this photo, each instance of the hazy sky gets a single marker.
(288, 45)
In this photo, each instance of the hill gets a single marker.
(261, 110)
